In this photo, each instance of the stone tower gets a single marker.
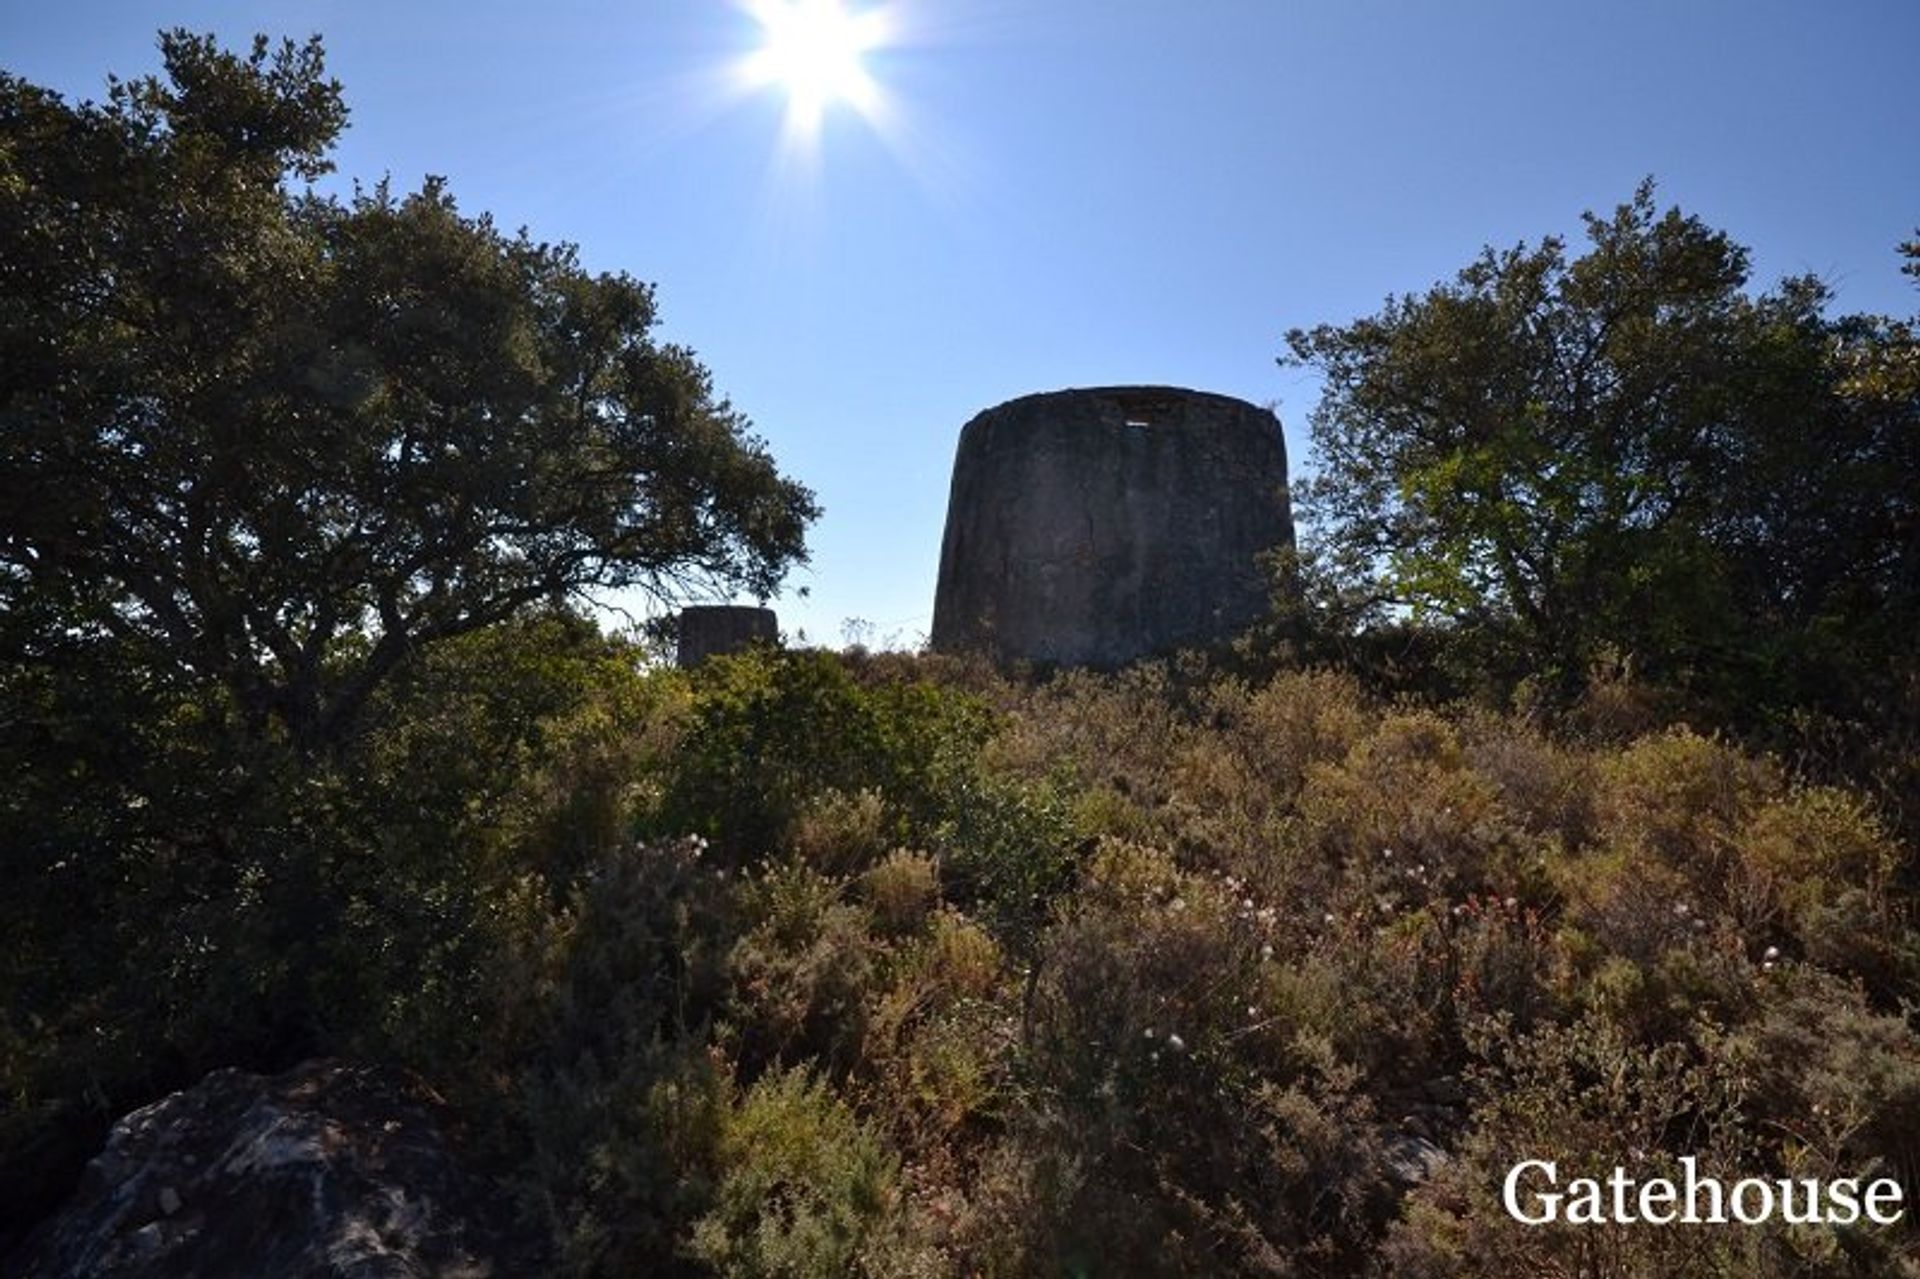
(706, 629)
(1094, 527)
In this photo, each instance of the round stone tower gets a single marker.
(1094, 527)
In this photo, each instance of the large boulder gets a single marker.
(1095, 527)
(327, 1170)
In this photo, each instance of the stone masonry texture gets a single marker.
(1097, 527)
(707, 629)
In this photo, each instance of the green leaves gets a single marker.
(1554, 456)
(275, 442)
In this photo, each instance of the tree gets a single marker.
(1557, 457)
(275, 442)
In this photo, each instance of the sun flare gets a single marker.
(815, 51)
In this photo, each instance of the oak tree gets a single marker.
(1626, 452)
(274, 441)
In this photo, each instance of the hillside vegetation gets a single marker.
(822, 964)
(1564, 809)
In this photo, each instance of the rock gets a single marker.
(1095, 527)
(1412, 1161)
(327, 1170)
(705, 630)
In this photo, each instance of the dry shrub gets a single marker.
(1407, 819)
(1194, 1125)
(1617, 706)
(1837, 1081)
(841, 833)
(1546, 785)
(901, 891)
(962, 957)
(1628, 904)
(805, 971)
(1814, 872)
(1237, 781)
(1588, 1099)
(1295, 720)
(1676, 799)
(1109, 736)
(939, 1044)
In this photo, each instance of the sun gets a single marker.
(815, 50)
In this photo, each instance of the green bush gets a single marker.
(615, 1119)
(1195, 1122)
(805, 1189)
(890, 965)
(768, 734)
(1009, 850)
(806, 971)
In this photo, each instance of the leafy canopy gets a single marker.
(1556, 457)
(276, 441)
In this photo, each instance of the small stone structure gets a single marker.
(707, 629)
(1096, 527)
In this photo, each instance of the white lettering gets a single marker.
(1694, 1186)
(1844, 1194)
(1740, 1189)
(1620, 1184)
(1584, 1202)
(1809, 1212)
(1550, 1201)
(1533, 1196)
(1662, 1191)
(1888, 1189)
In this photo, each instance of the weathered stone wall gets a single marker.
(1095, 527)
(706, 629)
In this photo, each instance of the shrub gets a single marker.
(1814, 872)
(1194, 1125)
(805, 1188)
(805, 971)
(1675, 800)
(1837, 1081)
(839, 834)
(769, 733)
(902, 891)
(1405, 816)
(941, 1038)
(1010, 849)
(619, 1099)
(1587, 1099)
(1545, 786)
(1235, 784)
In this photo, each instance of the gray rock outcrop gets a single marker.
(328, 1170)
(1096, 527)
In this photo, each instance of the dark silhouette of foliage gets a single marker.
(277, 442)
(1625, 453)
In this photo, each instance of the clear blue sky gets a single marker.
(1078, 192)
